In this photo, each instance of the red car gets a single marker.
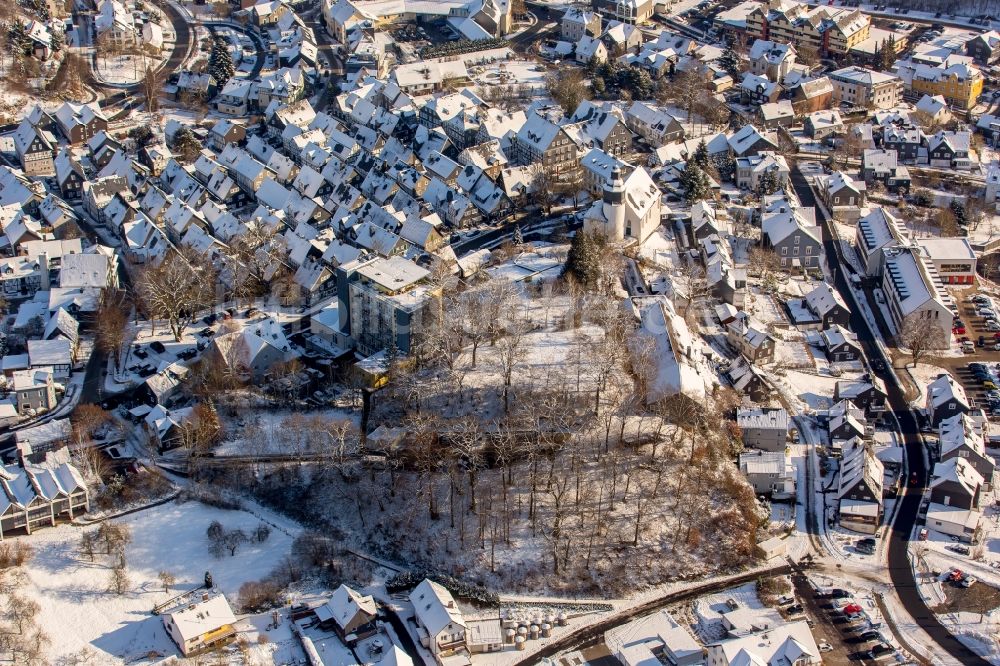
(958, 330)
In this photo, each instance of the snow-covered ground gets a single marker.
(78, 612)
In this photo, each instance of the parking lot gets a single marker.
(849, 639)
(978, 327)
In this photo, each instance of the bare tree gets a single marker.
(568, 88)
(167, 579)
(252, 259)
(118, 580)
(233, 539)
(175, 290)
(111, 324)
(920, 334)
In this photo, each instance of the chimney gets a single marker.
(204, 596)
(43, 269)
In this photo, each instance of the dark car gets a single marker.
(140, 353)
(837, 593)
(210, 319)
(794, 609)
(157, 346)
(206, 333)
(879, 650)
(870, 636)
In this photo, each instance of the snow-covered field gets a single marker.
(78, 612)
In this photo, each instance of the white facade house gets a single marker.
(783, 645)
(440, 624)
(200, 625)
(913, 289)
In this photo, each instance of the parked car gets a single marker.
(870, 635)
(837, 593)
(922, 535)
(157, 346)
(879, 650)
(969, 581)
(824, 646)
(958, 548)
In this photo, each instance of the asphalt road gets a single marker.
(900, 572)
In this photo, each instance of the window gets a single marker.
(784, 251)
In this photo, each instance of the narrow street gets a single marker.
(900, 571)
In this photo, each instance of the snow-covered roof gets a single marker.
(346, 603)
(634, 643)
(825, 298)
(790, 643)
(960, 471)
(944, 389)
(193, 619)
(434, 607)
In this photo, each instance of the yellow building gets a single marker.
(960, 84)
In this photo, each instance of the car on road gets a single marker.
(958, 548)
(922, 535)
(837, 593)
(824, 646)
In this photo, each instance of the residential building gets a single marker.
(541, 141)
(440, 624)
(764, 428)
(750, 338)
(960, 83)
(381, 303)
(820, 125)
(34, 495)
(751, 171)
(352, 614)
(843, 196)
(828, 306)
(34, 390)
(882, 166)
(605, 126)
(654, 125)
(861, 87)
(781, 645)
(956, 483)
(984, 48)
(770, 473)
(860, 490)
(906, 140)
(949, 150)
(877, 230)
(841, 345)
(626, 11)
(200, 624)
(964, 436)
(829, 30)
(652, 639)
(35, 149)
(913, 288)
(945, 399)
(867, 393)
(794, 237)
(771, 59)
(748, 380)
(953, 521)
(577, 22)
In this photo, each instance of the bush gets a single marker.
(407, 580)
(259, 596)
(14, 554)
